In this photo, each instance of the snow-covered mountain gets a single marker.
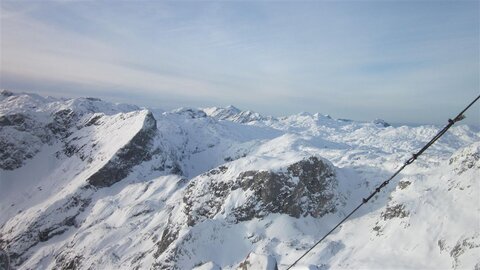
(88, 184)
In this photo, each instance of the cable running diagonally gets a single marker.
(451, 122)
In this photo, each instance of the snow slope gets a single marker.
(86, 183)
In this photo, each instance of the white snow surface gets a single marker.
(428, 217)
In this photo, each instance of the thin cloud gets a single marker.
(345, 59)
(68, 57)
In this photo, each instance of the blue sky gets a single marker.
(403, 61)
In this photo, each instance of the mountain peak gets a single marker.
(233, 108)
(190, 112)
(90, 184)
(232, 113)
(6, 93)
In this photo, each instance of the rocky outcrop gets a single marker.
(258, 261)
(130, 155)
(461, 247)
(22, 135)
(207, 266)
(4, 260)
(72, 262)
(29, 121)
(21, 138)
(231, 113)
(6, 93)
(304, 188)
(190, 113)
(394, 211)
(466, 159)
(169, 235)
(62, 122)
(381, 123)
(55, 220)
(12, 156)
(17, 120)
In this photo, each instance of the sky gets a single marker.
(402, 61)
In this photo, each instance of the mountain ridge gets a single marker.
(91, 184)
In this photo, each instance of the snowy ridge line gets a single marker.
(238, 193)
(451, 122)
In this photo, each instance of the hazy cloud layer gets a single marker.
(402, 61)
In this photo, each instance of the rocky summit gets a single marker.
(90, 184)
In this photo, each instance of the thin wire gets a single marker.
(451, 122)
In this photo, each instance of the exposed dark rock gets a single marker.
(45, 235)
(69, 150)
(138, 258)
(381, 123)
(15, 150)
(216, 193)
(191, 113)
(207, 265)
(404, 184)
(94, 120)
(247, 116)
(255, 261)
(31, 135)
(307, 188)
(175, 169)
(441, 245)
(141, 213)
(6, 93)
(169, 235)
(132, 154)
(465, 160)
(4, 260)
(16, 119)
(57, 229)
(234, 114)
(304, 188)
(270, 190)
(45, 227)
(395, 211)
(460, 248)
(228, 159)
(62, 122)
(68, 261)
(377, 229)
(220, 170)
(13, 157)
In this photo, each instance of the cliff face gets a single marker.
(136, 151)
(74, 138)
(80, 145)
(306, 187)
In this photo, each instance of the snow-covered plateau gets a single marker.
(89, 184)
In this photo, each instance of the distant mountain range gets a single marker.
(89, 184)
